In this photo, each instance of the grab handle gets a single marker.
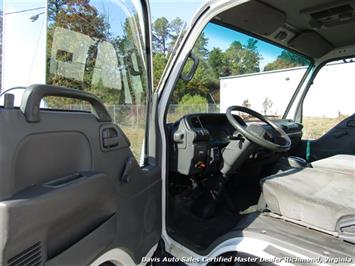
(30, 105)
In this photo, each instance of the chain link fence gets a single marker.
(176, 111)
(135, 115)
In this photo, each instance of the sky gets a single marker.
(174, 8)
(222, 37)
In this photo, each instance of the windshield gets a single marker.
(238, 69)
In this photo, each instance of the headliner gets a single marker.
(294, 18)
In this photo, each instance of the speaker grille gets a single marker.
(30, 257)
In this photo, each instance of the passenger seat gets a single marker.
(341, 163)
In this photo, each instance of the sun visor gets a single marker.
(254, 17)
(311, 43)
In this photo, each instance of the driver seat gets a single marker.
(317, 197)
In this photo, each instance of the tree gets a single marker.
(240, 59)
(159, 62)
(286, 59)
(165, 35)
(175, 29)
(189, 99)
(54, 7)
(200, 49)
(81, 16)
(161, 35)
(267, 104)
(190, 103)
(216, 62)
(251, 44)
(78, 16)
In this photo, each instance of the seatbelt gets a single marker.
(308, 150)
(261, 206)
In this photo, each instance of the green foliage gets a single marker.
(189, 99)
(286, 59)
(216, 62)
(237, 59)
(79, 16)
(190, 103)
(240, 59)
(251, 44)
(175, 29)
(83, 17)
(293, 57)
(159, 62)
(161, 34)
(165, 34)
(200, 49)
(54, 7)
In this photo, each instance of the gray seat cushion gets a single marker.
(317, 197)
(342, 162)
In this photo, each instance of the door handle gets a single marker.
(340, 133)
(110, 142)
(127, 171)
(109, 138)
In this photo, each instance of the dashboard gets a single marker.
(217, 125)
(198, 139)
(220, 129)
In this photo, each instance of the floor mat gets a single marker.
(202, 232)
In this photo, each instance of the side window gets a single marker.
(330, 99)
(98, 47)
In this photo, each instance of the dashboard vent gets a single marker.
(195, 122)
(30, 256)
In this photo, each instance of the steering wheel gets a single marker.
(257, 134)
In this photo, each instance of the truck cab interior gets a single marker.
(249, 138)
(239, 173)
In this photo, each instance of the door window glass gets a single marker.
(330, 99)
(96, 46)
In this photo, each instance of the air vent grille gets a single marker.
(28, 257)
(334, 16)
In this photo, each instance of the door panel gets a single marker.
(66, 197)
(338, 140)
(90, 245)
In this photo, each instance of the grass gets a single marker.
(315, 127)
(136, 137)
